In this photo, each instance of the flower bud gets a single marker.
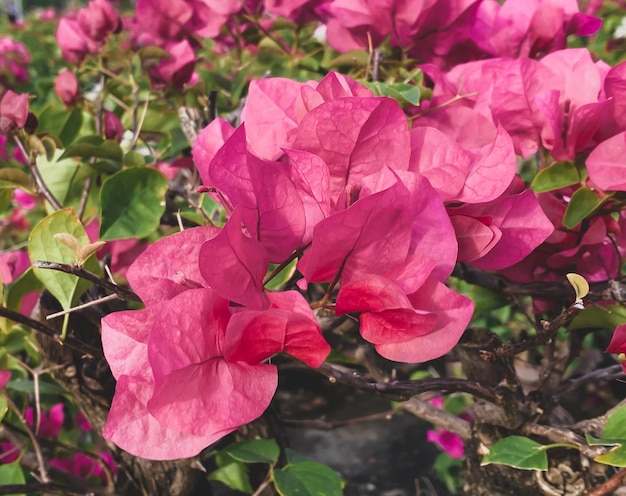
(66, 87)
(13, 111)
(113, 128)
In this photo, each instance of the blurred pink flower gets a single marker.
(113, 127)
(13, 111)
(82, 422)
(50, 423)
(447, 441)
(24, 199)
(66, 87)
(8, 453)
(85, 466)
(14, 60)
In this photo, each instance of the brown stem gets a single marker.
(69, 342)
(545, 335)
(612, 372)
(609, 486)
(29, 432)
(610, 290)
(326, 425)
(41, 185)
(427, 411)
(83, 198)
(123, 293)
(404, 390)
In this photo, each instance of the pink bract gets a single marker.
(50, 424)
(13, 111)
(66, 87)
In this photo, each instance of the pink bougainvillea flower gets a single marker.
(74, 42)
(298, 11)
(381, 232)
(458, 174)
(66, 87)
(618, 343)
(50, 424)
(160, 22)
(517, 225)
(178, 68)
(170, 266)
(243, 264)
(85, 466)
(288, 325)
(529, 28)
(279, 202)
(449, 442)
(432, 31)
(407, 328)
(12, 265)
(82, 422)
(356, 137)
(275, 107)
(8, 453)
(145, 415)
(13, 111)
(14, 61)
(5, 377)
(606, 164)
(98, 20)
(113, 127)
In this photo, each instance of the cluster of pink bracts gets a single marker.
(375, 201)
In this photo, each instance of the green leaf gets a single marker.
(404, 93)
(11, 473)
(58, 174)
(28, 386)
(486, 300)
(353, 58)
(4, 406)
(13, 178)
(517, 452)
(94, 146)
(26, 283)
(615, 426)
(282, 277)
(5, 198)
(615, 457)
(583, 203)
(234, 475)
(556, 176)
(60, 122)
(66, 288)
(134, 159)
(132, 201)
(595, 317)
(254, 451)
(307, 479)
(580, 285)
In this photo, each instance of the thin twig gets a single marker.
(609, 373)
(33, 438)
(546, 334)
(327, 425)
(404, 390)
(427, 411)
(609, 486)
(564, 436)
(41, 185)
(69, 342)
(91, 303)
(123, 293)
(83, 198)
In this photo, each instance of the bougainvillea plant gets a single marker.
(204, 202)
